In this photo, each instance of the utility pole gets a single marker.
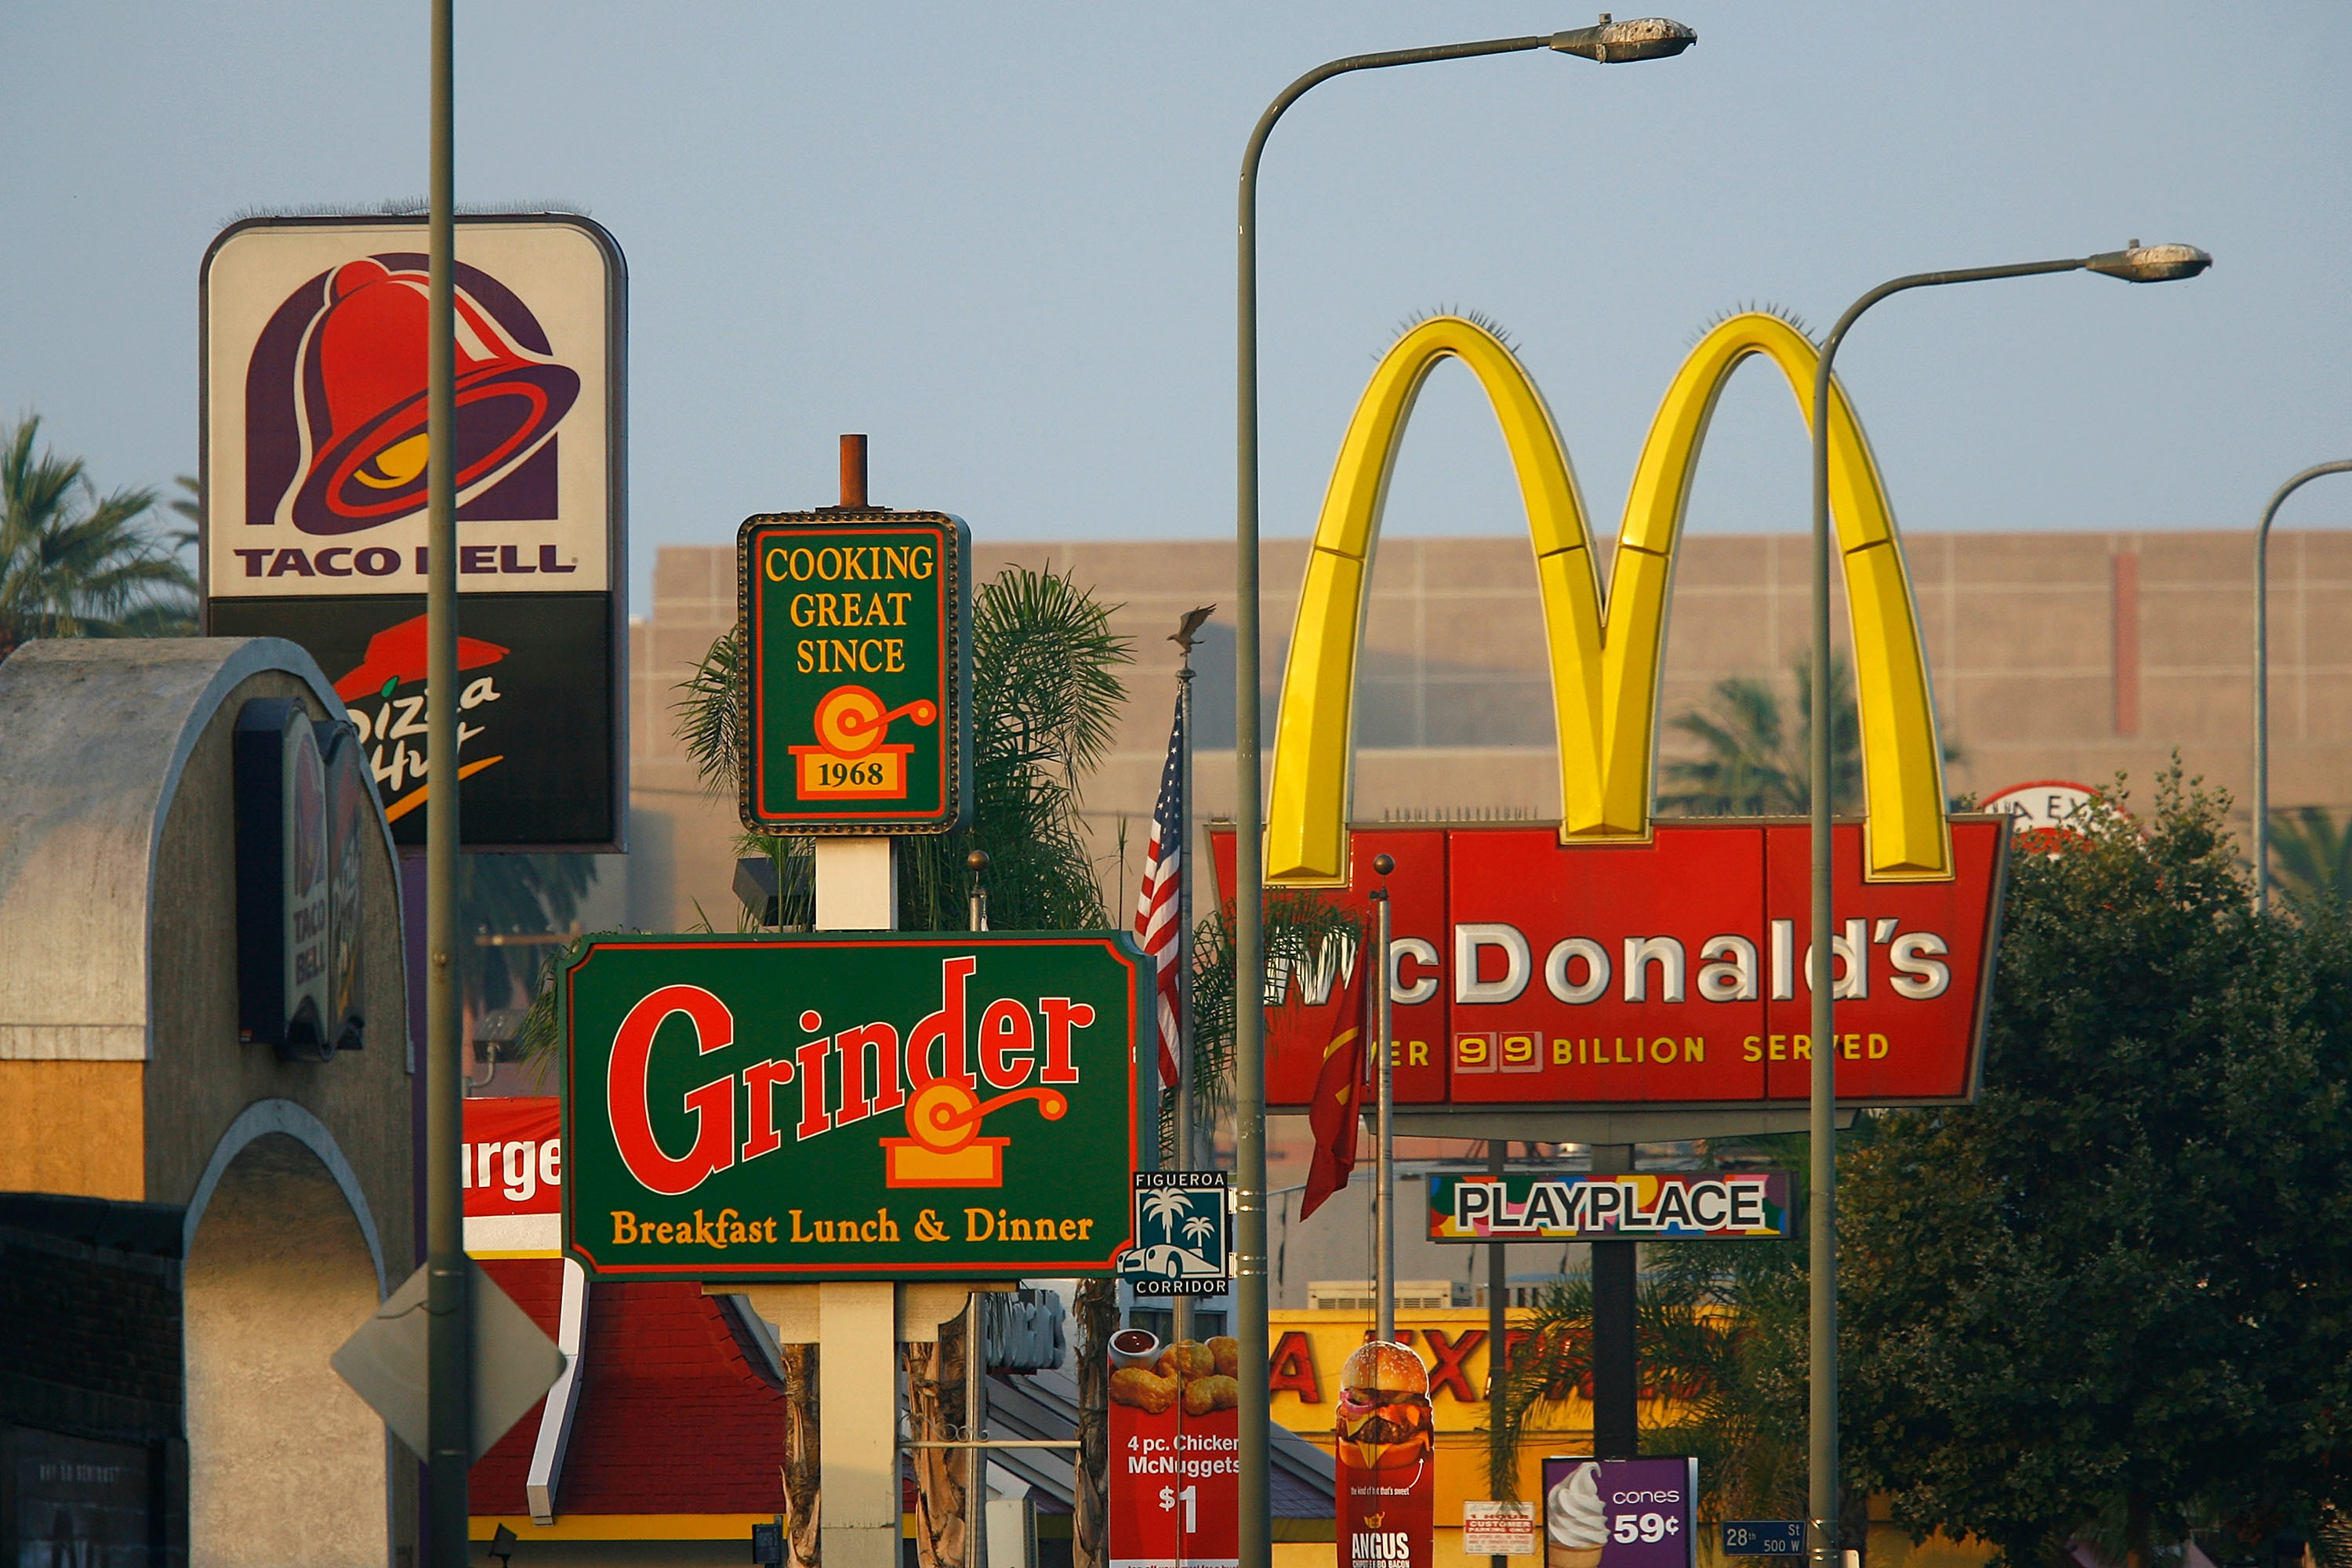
(1187, 633)
(449, 1372)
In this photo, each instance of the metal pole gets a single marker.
(2262, 677)
(1387, 1182)
(449, 1316)
(1822, 1478)
(975, 1420)
(1256, 1524)
(1616, 1346)
(1504, 1483)
(1185, 1088)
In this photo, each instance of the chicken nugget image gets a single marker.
(1203, 1395)
(1139, 1389)
(1227, 1352)
(1185, 1360)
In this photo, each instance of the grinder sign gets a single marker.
(870, 1106)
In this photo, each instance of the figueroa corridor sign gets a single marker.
(764, 1108)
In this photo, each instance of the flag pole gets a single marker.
(1186, 633)
(1385, 1181)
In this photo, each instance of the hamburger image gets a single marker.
(1385, 1419)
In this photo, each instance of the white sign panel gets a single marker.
(315, 444)
(1498, 1528)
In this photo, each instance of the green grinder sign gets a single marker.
(876, 1106)
(858, 685)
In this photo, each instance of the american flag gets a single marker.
(1158, 905)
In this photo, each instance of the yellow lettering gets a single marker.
(1620, 1055)
(1800, 1048)
(832, 573)
(1851, 1046)
(889, 1226)
(768, 563)
(919, 560)
(1662, 1050)
(894, 557)
(1085, 1229)
(804, 563)
(1877, 1046)
(824, 1230)
(1069, 1230)
(1694, 1048)
(1780, 1047)
(796, 1228)
(898, 606)
(1417, 1054)
(1563, 1053)
(1751, 1049)
(625, 1227)
(1017, 1230)
(852, 608)
(896, 660)
(804, 655)
(979, 1225)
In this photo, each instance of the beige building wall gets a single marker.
(2070, 656)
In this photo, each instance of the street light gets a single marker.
(2263, 677)
(2135, 263)
(1607, 42)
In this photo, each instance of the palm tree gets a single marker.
(1754, 760)
(74, 563)
(1166, 1207)
(2312, 854)
(513, 895)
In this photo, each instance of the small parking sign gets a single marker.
(1182, 1234)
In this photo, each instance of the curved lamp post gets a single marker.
(1609, 43)
(2136, 264)
(2263, 675)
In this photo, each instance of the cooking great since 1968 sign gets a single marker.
(811, 1107)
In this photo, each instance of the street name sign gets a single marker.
(877, 1106)
(1184, 1234)
(1764, 1538)
(857, 684)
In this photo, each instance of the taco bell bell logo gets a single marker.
(335, 402)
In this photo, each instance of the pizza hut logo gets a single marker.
(390, 722)
(335, 402)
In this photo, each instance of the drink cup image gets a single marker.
(1574, 1528)
(1385, 1422)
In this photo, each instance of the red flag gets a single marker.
(1339, 1096)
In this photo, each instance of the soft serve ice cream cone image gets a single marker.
(1574, 1528)
(1385, 1419)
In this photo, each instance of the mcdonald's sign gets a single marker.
(1619, 959)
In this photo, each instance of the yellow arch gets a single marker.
(1604, 663)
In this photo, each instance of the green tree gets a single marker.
(2113, 1299)
(1752, 759)
(75, 563)
(514, 895)
(2311, 854)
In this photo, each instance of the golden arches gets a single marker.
(1605, 663)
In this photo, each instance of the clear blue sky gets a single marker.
(1000, 239)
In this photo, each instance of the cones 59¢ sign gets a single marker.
(845, 1107)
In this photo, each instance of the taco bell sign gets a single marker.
(315, 461)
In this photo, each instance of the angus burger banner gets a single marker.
(1388, 1459)
(751, 1108)
(1524, 972)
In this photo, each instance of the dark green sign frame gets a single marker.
(857, 691)
(741, 1109)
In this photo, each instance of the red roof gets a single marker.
(673, 1416)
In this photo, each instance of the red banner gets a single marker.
(514, 1156)
(1670, 973)
(1175, 1452)
(1388, 1459)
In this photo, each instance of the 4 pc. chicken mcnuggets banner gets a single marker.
(1175, 1452)
(1387, 1435)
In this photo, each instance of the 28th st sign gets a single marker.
(802, 1106)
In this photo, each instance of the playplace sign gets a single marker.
(810, 1107)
